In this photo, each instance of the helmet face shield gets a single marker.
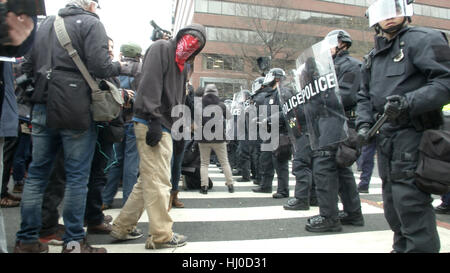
(273, 74)
(332, 41)
(381, 10)
(256, 86)
(270, 77)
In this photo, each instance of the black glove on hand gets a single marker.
(363, 134)
(154, 133)
(395, 106)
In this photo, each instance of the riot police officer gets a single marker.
(406, 77)
(305, 188)
(244, 146)
(275, 160)
(257, 99)
(348, 72)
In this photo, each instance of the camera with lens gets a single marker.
(19, 7)
(27, 84)
(159, 33)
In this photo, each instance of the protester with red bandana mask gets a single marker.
(163, 86)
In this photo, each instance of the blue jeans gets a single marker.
(366, 162)
(78, 149)
(2, 225)
(126, 167)
(21, 157)
(176, 162)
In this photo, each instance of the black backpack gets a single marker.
(433, 170)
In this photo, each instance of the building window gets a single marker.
(228, 8)
(222, 62)
(215, 7)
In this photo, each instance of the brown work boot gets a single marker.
(82, 247)
(103, 228)
(175, 201)
(36, 247)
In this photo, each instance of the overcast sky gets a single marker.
(127, 20)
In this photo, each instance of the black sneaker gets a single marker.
(230, 188)
(279, 195)
(355, 219)
(177, 240)
(243, 179)
(296, 204)
(261, 190)
(442, 209)
(204, 190)
(363, 189)
(322, 224)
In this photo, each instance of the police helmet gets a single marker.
(337, 35)
(257, 84)
(274, 73)
(131, 50)
(380, 10)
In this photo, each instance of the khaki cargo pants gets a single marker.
(152, 190)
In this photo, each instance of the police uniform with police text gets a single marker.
(348, 72)
(415, 65)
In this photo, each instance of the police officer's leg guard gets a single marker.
(404, 203)
(352, 214)
(244, 160)
(282, 168)
(325, 173)
(268, 172)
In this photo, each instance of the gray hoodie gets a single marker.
(163, 86)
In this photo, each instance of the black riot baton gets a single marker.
(377, 125)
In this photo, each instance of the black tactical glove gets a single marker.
(363, 135)
(154, 133)
(395, 106)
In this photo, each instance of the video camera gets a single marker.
(26, 83)
(158, 33)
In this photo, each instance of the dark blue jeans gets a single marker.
(78, 149)
(367, 162)
(21, 157)
(177, 161)
(125, 167)
(97, 179)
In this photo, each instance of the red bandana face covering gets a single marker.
(187, 45)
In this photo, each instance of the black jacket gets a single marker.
(213, 100)
(88, 37)
(416, 64)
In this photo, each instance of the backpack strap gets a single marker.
(64, 40)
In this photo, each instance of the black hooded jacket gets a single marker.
(163, 85)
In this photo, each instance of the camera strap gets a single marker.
(64, 40)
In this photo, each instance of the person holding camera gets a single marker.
(62, 118)
(16, 36)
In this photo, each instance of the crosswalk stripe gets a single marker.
(240, 214)
(248, 222)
